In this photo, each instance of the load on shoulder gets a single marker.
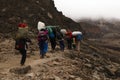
(50, 28)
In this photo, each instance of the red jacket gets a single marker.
(69, 35)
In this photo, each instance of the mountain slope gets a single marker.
(91, 30)
(14, 11)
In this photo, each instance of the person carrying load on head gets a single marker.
(77, 36)
(60, 38)
(42, 41)
(52, 36)
(21, 41)
(68, 37)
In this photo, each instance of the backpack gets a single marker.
(42, 36)
(51, 35)
(22, 31)
(79, 37)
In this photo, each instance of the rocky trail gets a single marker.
(68, 65)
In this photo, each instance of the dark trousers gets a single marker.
(69, 43)
(62, 46)
(43, 48)
(53, 43)
(23, 53)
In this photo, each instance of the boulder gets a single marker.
(20, 70)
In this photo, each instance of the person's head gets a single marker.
(24, 21)
(68, 30)
(42, 29)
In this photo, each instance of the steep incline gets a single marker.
(14, 11)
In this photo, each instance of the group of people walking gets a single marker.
(53, 34)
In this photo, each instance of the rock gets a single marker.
(55, 63)
(47, 56)
(0, 50)
(50, 15)
(109, 71)
(58, 60)
(87, 60)
(78, 78)
(96, 76)
(30, 75)
(117, 72)
(56, 77)
(71, 77)
(3, 10)
(20, 70)
(88, 65)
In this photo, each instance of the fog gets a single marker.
(77, 9)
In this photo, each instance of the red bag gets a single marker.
(22, 25)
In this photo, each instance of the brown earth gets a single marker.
(89, 64)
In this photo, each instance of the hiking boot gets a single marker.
(22, 64)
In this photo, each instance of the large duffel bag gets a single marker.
(40, 25)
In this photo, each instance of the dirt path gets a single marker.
(13, 60)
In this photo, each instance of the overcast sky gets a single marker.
(89, 8)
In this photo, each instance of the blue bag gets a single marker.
(79, 37)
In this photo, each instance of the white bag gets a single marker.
(75, 33)
(63, 31)
(41, 25)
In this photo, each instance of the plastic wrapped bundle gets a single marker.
(63, 31)
(41, 25)
(75, 33)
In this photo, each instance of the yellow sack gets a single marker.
(22, 32)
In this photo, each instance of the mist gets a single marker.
(78, 9)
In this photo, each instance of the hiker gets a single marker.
(77, 37)
(21, 45)
(52, 37)
(60, 39)
(21, 40)
(42, 41)
(69, 39)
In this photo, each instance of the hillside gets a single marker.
(89, 64)
(91, 30)
(101, 28)
(14, 11)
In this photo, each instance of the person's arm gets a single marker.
(26, 46)
(28, 40)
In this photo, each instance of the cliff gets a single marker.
(14, 11)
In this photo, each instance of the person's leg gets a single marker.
(69, 44)
(78, 45)
(45, 46)
(23, 53)
(53, 43)
(62, 46)
(42, 49)
(74, 43)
